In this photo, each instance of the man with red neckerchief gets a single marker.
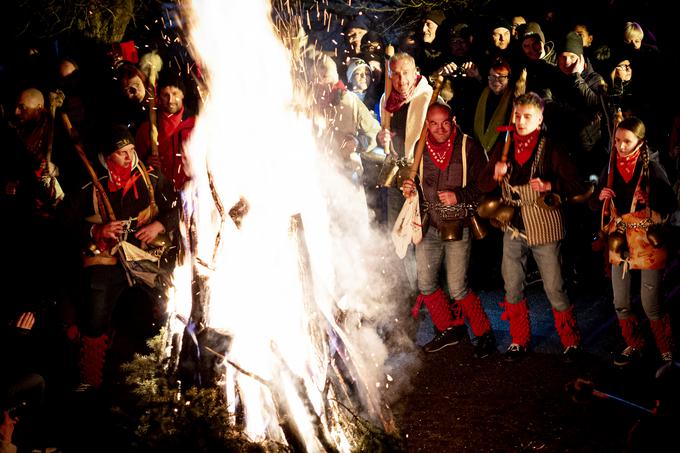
(451, 165)
(407, 104)
(535, 165)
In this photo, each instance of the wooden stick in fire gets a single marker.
(618, 117)
(520, 89)
(151, 64)
(420, 147)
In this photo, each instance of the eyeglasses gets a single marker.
(498, 78)
(623, 67)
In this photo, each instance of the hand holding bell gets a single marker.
(539, 185)
(500, 170)
(408, 188)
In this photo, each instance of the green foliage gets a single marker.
(165, 417)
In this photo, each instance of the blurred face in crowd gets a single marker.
(403, 76)
(528, 118)
(501, 37)
(498, 80)
(122, 156)
(626, 142)
(429, 31)
(326, 73)
(623, 71)
(133, 88)
(354, 36)
(171, 99)
(516, 22)
(29, 106)
(567, 61)
(585, 35)
(459, 46)
(532, 48)
(361, 78)
(66, 68)
(635, 40)
(439, 123)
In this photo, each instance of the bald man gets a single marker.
(451, 164)
(30, 106)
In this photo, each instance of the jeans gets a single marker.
(650, 281)
(395, 201)
(106, 283)
(455, 255)
(514, 267)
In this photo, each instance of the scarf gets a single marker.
(121, 178)
(487, 136)
(440, 153)
(524, 145)
(397, 100)
(626, 164)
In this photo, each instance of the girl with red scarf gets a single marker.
(638, 197)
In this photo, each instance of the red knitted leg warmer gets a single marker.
(565, 323)
(518, 316)
(437, 304)
(630, 329)
(92, 355)
(661, 328)
(475, 314)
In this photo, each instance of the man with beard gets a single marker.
(174, 129)
(448, 179)
(494, 106)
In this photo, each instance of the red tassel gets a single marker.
(437, 304)
(475, 314)
(518, 316)
(661, 328)
(630, 330)
(565, 323)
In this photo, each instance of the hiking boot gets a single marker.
(572, 354)
(486, 345)
(448, 337)
(627, 356)
(514, 353)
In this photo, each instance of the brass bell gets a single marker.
(496, 224)
(504, 214)
(478, 227)
(549, 201)
(162, 240)
(582, 197)
(655, 236)
(451, 230)
(488, 207)
(617, 242)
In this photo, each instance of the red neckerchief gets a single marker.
(524, 145)
(328, 98)
(121, 178)
(626, 164)
(440, 153)
(396, 100)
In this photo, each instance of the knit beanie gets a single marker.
(533, 29)
(500, 22)
(435, 16)
(118, 137)
(353, 65)
(572, 43)
(360, 21)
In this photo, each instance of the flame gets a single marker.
(277, 305)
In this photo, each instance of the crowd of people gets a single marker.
(515, 144)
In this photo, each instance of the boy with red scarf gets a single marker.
(535, 165)
(450, 168)
(128, 193)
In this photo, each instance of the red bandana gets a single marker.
(121, 178)
(396, 100)
(440, 153)
(626, 164)
(524, 145)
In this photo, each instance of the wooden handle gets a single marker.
(520, 89)
(420, 147)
